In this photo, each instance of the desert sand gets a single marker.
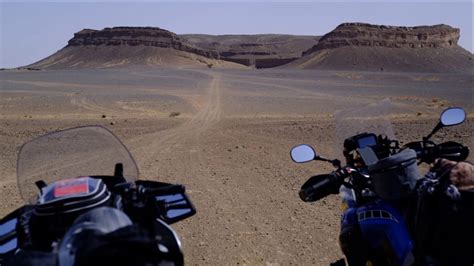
(230, 143)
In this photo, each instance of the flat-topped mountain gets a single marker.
(360, 46)
(120, 46)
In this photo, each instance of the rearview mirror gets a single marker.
(452, 116)
(302, 153)
(176, 207)
(449, 117)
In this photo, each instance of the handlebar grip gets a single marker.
(429, 151)
(168, 189)
(452, 151)
(320, 186)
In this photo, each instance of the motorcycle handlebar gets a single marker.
(428, 151)
(451, 150)
(320, 186)
(168, 189)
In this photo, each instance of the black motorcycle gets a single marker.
(85, 206)
(392, 215)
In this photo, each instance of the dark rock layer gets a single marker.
(133, 36)
(368, 35)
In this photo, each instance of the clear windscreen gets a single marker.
(81, 151)
(371, 118)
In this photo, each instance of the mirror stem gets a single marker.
(437, 127)
(118, 171)
(336, 163)
(40, 184)
(319, 158)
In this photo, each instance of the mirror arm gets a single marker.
(437, 127)
(40, 184)
(319, 158)
(336, 163)
(118, 171)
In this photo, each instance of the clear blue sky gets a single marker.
(34, 30)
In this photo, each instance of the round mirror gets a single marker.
(452, 116)
(302, 153)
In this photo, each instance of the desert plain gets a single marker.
(226, 134)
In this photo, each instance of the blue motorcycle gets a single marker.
(383, 193)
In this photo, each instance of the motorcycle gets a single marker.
(390, 212)
(86, 206)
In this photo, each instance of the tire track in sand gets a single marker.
(152, 149)
(88, 104)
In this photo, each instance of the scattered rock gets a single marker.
(174, 114)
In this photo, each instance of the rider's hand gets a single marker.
(461, 174)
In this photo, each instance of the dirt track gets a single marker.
(230, 144)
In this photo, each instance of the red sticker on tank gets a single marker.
(71, 187)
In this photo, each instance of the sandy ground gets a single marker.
(230, 144)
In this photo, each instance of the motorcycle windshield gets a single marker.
(371, 118)
(81, 151)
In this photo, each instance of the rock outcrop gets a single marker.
(133, 36)
(361, 34)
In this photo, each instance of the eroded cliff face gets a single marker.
(133, 36)
(368, 35)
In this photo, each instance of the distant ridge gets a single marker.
(259, 50)
(351, 46)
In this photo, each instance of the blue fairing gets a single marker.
(384, 229)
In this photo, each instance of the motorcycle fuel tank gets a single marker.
(385, 230)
